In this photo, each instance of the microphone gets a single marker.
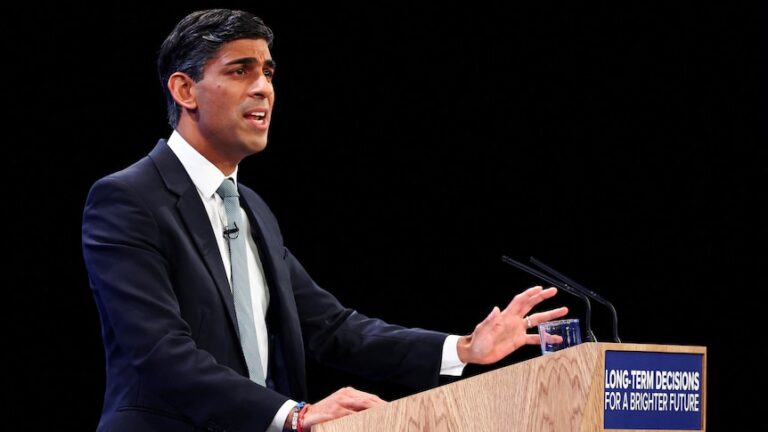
(590, 336)
(231, 233)
(584, 290)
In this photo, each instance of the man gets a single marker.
(184, 350)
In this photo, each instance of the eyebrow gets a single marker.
(251, 60)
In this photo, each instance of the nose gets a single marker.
(261, 87)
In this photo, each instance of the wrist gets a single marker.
(462, 349)
(300, 423)
(292, 422)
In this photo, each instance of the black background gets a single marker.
(410, 148)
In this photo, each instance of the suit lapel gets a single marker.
(282, 314)
(263, 240)
(199, 227)
(196, 221)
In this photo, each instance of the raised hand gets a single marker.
(502, 332)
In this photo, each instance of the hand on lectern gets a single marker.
(502, 332)
(341, 403)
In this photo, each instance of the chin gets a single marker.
(257, 147)
(254, 144)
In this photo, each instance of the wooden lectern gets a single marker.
(563, 391)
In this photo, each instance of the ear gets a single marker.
(182, 88)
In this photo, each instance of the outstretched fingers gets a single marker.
(552, 314)
(532, 339)
(522, 303)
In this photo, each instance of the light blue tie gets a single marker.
(235, 234)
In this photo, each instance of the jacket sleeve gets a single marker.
(345, 339)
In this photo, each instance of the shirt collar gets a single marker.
(206, 177)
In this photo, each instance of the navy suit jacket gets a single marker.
(173, 359)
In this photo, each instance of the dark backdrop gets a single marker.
(412, 147)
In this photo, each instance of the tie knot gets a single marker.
(227, 189)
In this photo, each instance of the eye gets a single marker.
(240, 71)
(269, 74)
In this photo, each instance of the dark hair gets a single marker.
(195, 40)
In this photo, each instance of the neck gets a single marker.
(224, 162)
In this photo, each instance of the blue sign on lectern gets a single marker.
(653, 390)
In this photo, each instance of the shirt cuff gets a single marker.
(279, 421)
(451, 365)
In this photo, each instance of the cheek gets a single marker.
(218, 107)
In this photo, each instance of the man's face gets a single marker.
(235, 99)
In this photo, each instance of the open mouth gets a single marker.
(259, 117)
